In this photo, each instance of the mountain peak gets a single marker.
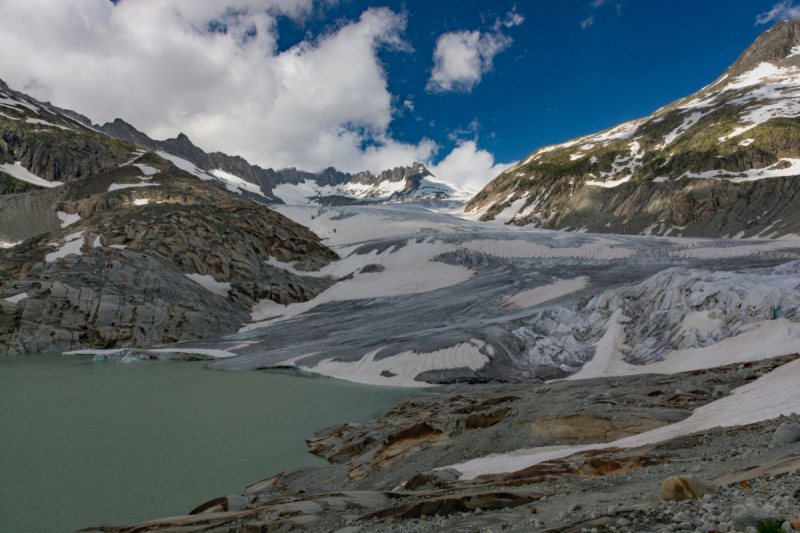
(774, 45)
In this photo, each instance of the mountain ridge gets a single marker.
(719, 162)
(330, 185)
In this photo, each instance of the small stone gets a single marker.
(533, 510)
(746, 485)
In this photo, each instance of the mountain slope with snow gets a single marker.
(721, 162)
(297, 187)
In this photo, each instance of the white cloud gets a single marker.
(212, 69)
(461, 58)
(469, 166)
(587, 22)
(780, 11)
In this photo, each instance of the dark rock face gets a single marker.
(692, 208)
(54, 144)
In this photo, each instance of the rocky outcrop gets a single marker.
(162, 258)
(109, 298)
(26, 215)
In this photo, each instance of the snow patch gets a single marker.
(21, 173)
(17, 298)
(210, 284)
(67, 220)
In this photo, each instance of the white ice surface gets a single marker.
(406, 365)
(599, 249)
(409, 270)
(545, 293)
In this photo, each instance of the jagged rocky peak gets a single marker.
(397, 174)
(776, 45)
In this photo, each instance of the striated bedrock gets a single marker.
(109, 298)
(721, 162)
(144, 255)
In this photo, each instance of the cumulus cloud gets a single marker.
(469, 166)
(213, 70)
(461, 58)
(780, 11)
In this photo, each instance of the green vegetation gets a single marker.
(9, 185)
(768, 526)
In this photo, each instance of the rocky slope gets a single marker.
(292, 186)
(105, 245)
(721, 162)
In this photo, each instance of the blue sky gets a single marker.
(557, 80)
(466, 87)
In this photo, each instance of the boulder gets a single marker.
(787, 433)
(681, 488)
(744, 516)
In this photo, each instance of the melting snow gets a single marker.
(752, 175)
(21, 173)
(67, 220)
(45, 123)
(118, 186)
(146, 169)
(72, 246)
(16, 298)
(210, 284)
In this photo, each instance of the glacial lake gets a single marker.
(85, 444)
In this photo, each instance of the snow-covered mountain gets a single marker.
(720, 162)
(402, 184)
(292, 186)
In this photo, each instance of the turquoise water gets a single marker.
(85, 444)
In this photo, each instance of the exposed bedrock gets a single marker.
(691, 208)
(108, 298)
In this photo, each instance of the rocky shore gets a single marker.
(399, 472)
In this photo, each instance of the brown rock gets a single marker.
(795, 523)
(686, 488)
